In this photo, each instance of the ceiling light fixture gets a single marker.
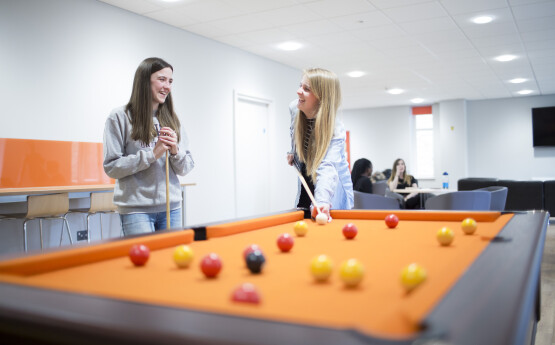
(290, 46)
(395, 91)
(517, 80)
(482, 19)
(505, 58)
(525, 92)
(356, 74)
(417, 100)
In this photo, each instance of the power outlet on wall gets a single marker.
(82, 235)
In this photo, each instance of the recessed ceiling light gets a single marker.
(505, 58)
(517, 80)
(289, 46)
(395, 91)
(417, 100)
(482, 19)
(356, 74)
(525, 92)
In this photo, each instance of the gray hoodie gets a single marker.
(140, 178)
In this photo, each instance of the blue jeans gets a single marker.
(140, 223)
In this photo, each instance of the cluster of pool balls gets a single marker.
(321, 266)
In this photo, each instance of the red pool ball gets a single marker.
(251, 248)
(211, 265)
(391, 221)
(350, 231)
(246, 293)
(139, 254)
(285, 242)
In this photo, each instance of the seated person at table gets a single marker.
(362, 170)
(400, 180)
(377, 176)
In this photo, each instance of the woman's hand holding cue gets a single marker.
(167, 140)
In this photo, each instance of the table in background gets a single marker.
(420, 191)
(13, 195)
(95, 293)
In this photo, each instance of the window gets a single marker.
(424, 135)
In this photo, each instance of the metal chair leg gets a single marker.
(101, 237)
(88, 227)
(25, 234)
(40, 234)
(68, 231)
(61, 234)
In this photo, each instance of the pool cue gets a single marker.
(167, 192)
(307, 189)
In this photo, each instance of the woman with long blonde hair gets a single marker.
(318, 142)
(400, 179)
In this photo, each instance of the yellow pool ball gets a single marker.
(352, 272)
(301, 228)
(183, 256)
(469, 226)
(445, 236)
(321, 267)
(412, 276)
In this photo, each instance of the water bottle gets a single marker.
(445, 180)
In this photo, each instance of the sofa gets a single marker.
(522, 195)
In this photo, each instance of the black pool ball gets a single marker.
(255, 261)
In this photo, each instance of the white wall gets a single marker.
(64, 66)
(380, 135)
(489, 138)
(452, 156)
(500, 143)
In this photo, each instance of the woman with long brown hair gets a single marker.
(137, 137)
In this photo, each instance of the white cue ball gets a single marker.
(322, 218)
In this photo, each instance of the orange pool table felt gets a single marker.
(379, 306)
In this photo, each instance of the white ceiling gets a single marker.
(429, 48)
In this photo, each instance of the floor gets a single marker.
(546, 327)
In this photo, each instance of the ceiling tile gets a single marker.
(333, 8)
(535, 10)
(361, 20)
(136, 6)
(418, 12)
(467, 6)
(429, 25)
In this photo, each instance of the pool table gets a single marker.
(481, 289)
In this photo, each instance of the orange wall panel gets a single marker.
(41, 163)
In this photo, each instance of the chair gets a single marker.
(462, 200)
(523, 195)
(101, 203)
(473, 183)
(498, 197)
(44, 207)
(367, 201)
(379, 187)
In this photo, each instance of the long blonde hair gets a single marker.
(325, 86)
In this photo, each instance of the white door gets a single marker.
(252, 171)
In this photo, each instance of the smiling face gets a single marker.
(308, 102)
(160, 85)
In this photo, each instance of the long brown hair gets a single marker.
(325, 86)
(139, 107)
(406, 177)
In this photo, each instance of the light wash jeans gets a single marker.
(140, 223)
